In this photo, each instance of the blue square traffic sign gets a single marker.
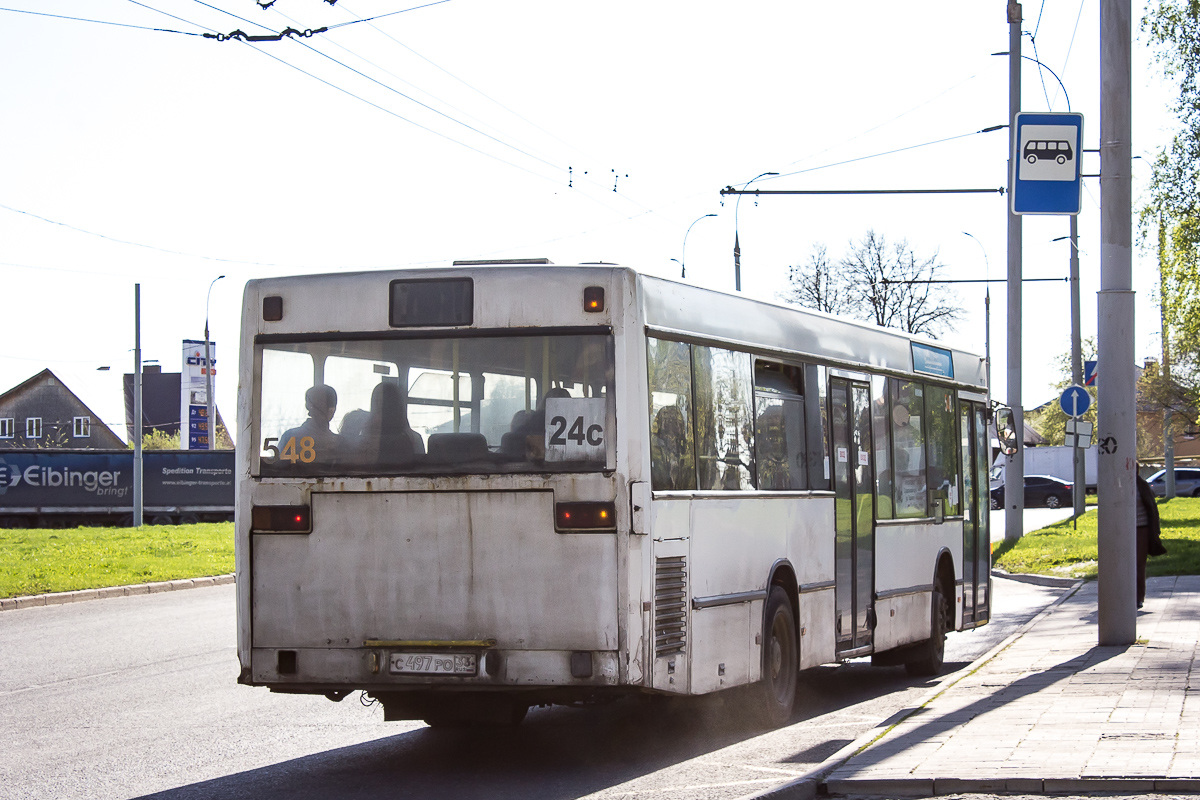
(1045, 163)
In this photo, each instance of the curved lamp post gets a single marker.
(208, 389)
(737, 247)
(683, 255)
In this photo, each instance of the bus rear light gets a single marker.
(280, 519)
(585, 516)
(273, 308)
(593, 299)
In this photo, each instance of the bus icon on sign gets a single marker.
(1057, 151)
(1048, 153)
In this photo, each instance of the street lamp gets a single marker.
(208, 389)
(737, 247)
(683, 255)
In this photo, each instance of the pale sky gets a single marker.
(470, 129)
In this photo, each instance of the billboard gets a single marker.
(90, 479)
(195, 430)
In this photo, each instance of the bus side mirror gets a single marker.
(1006, 431)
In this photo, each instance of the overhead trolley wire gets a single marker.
(101, 21)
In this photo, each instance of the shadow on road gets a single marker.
(558, 752)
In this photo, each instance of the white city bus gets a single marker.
(488, 487)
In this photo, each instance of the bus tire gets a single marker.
(930, 655)
(776, 691)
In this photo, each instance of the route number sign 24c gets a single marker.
(575, 428)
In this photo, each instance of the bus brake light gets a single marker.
(280, 519)
(585, 516)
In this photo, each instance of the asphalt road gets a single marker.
(137, 696)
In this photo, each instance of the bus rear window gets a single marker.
(428, 406)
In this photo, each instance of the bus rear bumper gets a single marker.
(321, 670)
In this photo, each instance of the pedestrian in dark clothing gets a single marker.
(1149, 539)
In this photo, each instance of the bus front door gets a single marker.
(854, 554)
(977, 554)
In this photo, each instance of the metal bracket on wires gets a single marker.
(274, 37)
(756, 192)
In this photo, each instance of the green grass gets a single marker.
(1060, 550)
(39, 561)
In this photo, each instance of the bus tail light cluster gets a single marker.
(585, 516)
(280, 519)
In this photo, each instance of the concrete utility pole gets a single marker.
(1077, 364)
(1014, 467)
(1117, 428)
(137, 405)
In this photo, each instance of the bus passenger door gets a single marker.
(853, 479)
(977, 553)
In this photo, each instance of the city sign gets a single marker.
(1048, 150)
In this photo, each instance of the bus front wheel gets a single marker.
(777, 690)
(931, 654)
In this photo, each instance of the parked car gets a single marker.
(1187, 482)
(1040, 490)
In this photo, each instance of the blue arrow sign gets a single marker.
(1045, 163)
(1075, 401)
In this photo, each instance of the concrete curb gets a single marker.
(807, 785)
(61, 598)
(1036, 580)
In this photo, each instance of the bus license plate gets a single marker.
(434, 663)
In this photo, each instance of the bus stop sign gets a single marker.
(1045, 163)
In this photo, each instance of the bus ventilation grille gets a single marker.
(670, 605)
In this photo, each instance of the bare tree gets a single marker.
(816, 284)
(877, 282)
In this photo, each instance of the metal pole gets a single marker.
(211, 402)
(137, 405)
(1014, 467)
(1168, 434)
(1077, 364)
(987, 318)
(1117, 428)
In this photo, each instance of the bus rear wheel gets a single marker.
(930, 655)
(776, 692)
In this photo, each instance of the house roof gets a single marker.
(23, 386)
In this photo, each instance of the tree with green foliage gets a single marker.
(1170, 220)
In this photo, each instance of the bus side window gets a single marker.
(942, 437)
(816, 417)
(781, 457)
(881, 429)
(670, 381)
(908, 448)
(724, 419)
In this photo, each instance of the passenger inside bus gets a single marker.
(671, 468)
(320, 401)
(398, 443)
(527, 425)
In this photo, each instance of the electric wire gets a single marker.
(165, 14)
(885, 153)
(100, 22)
(478, 91)
(1071, 46)
(389, 14)
(882, 124)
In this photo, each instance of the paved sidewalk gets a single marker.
(1055, 712)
